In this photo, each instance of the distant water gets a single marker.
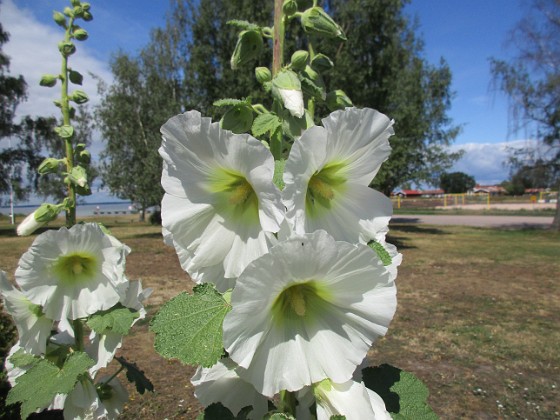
(86, 209)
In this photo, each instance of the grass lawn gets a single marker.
(478, 319)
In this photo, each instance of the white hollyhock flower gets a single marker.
(308, 310)
(219, 200)
(328, 172)
(222, 384)
(350, 399)
(29, 225)
(91, 402)
(293, 101)
(34, 328)
(73, 273)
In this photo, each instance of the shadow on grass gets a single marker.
(410, 226)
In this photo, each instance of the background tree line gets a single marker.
(186, 65)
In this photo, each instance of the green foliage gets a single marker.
(189, 327)
(382, 66)
(405, 396)
(456, 182)
(265, 124)
(134, 374)
(278, 178)
(22, 359)
(53, 380)
(118, 319)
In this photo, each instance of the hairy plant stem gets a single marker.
(65, 108)
(78, 327)
(276, 139)
(288, 402)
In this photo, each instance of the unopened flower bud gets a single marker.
(78, 176)
(80, 34)
(249, 46)
(87, 16)
(289, 7)
(337, 99)
(321, 63)
(59, 18)
(66, 48)
(263, 74)
(315, 81)
(287, 87)
(75, 77)
(75, 2)
(48, 166)
(79, 96)
(44, 214)
(48, 80)
(316, 21)
(84, 157)
(299, 60)
(65, 131)
(68, 11)
(86, 6)
(78, 11)
(239, 118)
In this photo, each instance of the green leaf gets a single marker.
(338, 417)
(278, 178)
(265, 123)
(37, 387)
(227, 102)
(381, 252)
(189, 327)
(405, 396)
(22, 359)
(243, 24)
(118, 319)
(280, 416)
(216, 411)
(134, 374)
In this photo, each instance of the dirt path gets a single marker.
(476, 220)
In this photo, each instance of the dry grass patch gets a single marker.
(477, 319)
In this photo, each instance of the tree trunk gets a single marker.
(143, 213)
(556, 221)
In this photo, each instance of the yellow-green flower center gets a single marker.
(75, 267)
(323, 187)
(300, 301)
(235, 195)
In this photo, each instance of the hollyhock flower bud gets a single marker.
(287, 88)
(239, 118)
(316, 21)
(337, 99)
(48, 80)
(249, 46)
(263, 74)
(299, 60)
(40, 217)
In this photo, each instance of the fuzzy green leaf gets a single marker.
(117, 319)
(22, 359)
(338, 417)
(381, 252)
(189, 327)
(265, 123)
(405, 396)
(227, 102)
(134, 374)
(243, 24)
(39, 385)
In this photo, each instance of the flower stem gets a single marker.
(78, 327)
(65, 108)
(114, 375)
(288, 402)
(278, 38)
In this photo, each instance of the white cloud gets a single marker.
(33, 51)
(488, 162)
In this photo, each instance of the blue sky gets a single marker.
(466, 33)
